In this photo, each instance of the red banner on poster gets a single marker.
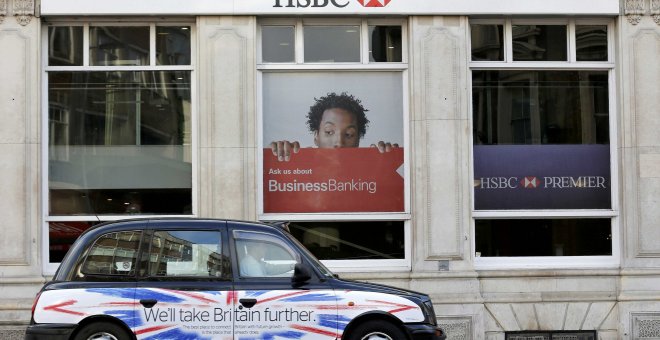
(334, 180)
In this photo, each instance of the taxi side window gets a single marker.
(113, 254)
(191, 253)
(262, 256)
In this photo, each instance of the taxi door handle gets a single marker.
(148, 303)
(248, 303)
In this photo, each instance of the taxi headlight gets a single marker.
(430, 313)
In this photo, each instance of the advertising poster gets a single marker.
(333, 142)
(542, 177)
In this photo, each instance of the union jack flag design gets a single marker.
(179, 314)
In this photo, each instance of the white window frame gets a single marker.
(48, 267)
(365, 65)
(534, 262)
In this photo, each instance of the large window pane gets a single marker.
(65, 45)
(487, 42)
(119, 46)
(541, 140)
(119, 142)
(332, 44)
(277, 44)
(351, 240)
(540, 107)
(543, 237)
(173, 45)
(539, 42)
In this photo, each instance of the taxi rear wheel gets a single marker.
(102, 331)
(377, 330)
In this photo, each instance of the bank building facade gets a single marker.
(502, 157)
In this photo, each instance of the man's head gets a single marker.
(337, 121)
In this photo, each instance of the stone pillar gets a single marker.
(227, 117)
(639, 95)
(440, 136)
(21, 224)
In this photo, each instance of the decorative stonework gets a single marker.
(655, 11)
(3, 10)
(646, 325)
(456, 328)
(634, 11)
(23, 11)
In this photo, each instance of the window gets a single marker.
(119, 117)
(187, 253)
(542, 153)
(334, 133)
(113, 254)
(263, 256)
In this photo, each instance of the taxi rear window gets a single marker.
(113, 254)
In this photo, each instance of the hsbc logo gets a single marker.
(374, 3)
(326, 3)
(530, 182)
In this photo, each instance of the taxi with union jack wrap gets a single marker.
(215, 279)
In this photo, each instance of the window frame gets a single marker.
(49, 268)
(531, 262)
(299, 66)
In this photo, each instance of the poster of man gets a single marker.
(333, 142)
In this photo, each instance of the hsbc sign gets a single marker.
(332, 7)
(541, 177)
(328, 3)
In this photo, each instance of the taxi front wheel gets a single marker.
(377, 330)
(102, 331)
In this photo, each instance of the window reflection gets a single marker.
(65, 45)
(591, 42)
(487, 42)
(385, 44)
(347, 241)
(187, 253)
(332, 44)
(540, 107)
(539, 43)
(61, 236)
(543, 237)
(119, 142)
(119, 46)
(277, 44)
(173, 45)
(113, 254)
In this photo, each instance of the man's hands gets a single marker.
(384, 146)
(283, 149)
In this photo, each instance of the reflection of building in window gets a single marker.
(113, 253)
(177, 256)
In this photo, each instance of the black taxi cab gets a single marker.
(178, 278)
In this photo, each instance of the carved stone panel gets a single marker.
(645, 326)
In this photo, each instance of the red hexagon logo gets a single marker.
(374, 3)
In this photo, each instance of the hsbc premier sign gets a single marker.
(512, 177)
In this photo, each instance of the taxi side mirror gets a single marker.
(301, 275)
